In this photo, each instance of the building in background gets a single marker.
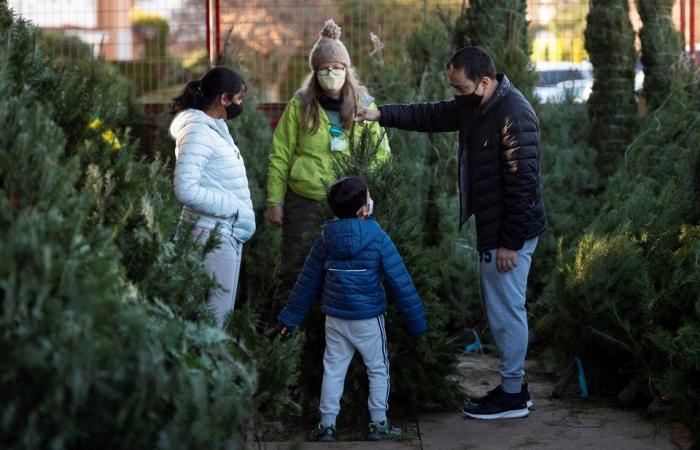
(105, 25)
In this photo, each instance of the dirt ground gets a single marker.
(569, 423)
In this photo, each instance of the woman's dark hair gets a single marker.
(475, 63)
(347, 196)
(200, 94)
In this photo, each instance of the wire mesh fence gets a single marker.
(161, 44)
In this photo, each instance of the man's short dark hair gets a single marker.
(347, 196)
(474, 61)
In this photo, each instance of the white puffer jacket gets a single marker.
(210, 176)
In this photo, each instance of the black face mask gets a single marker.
(233, 110)
(469, 101)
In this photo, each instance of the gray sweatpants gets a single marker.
(504, 298)
(343, 337)
(224, 263)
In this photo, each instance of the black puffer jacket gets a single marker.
(499, 161)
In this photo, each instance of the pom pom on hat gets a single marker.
(329, 47)
(331, 30)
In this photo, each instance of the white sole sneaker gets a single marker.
(512, 414)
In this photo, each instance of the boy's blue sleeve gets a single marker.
(307, 287)
(405, 294)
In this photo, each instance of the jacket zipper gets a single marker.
(330, 269)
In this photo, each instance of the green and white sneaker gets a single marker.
(323, 433)
(382, 431)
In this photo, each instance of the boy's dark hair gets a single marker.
(474, 61)
(347, 196)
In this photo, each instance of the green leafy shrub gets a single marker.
(108, 340)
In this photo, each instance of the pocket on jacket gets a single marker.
(355, 285)
(348, 278)
(295, 171)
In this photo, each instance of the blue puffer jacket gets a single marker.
(210, 176)
(347, 262)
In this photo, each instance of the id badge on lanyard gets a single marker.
(338, 141)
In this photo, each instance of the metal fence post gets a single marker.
(207, 21)
(692, 29)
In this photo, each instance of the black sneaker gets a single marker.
(497, 391)
(381, 431)
(323, 433)
(505, 406)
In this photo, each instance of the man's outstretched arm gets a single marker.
(426, 117)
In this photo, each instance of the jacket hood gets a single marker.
(195, 116)
(345, 238)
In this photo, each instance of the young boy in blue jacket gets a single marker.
(347, 262)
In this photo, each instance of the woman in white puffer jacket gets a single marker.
(210, 177)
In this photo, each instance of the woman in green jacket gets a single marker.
(313, 130)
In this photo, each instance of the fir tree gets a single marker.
(626, 298)
(501, 29)
(109, 343)
(418, 74)
(611, 106)
(431, 361)
(661, 49)
(571, 186)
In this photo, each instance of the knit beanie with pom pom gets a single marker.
(329, 47)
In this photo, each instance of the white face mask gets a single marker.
(331, 80)
(370, 207)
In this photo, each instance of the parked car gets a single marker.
(576, 90)
(559, 79)
(566, 80)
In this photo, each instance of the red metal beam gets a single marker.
(217, 28)
(692, 29)
(207, 33)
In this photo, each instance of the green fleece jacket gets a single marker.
(303, 161)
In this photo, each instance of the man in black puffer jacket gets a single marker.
(499, 182)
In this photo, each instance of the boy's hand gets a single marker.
(364, 113)
(284, 332)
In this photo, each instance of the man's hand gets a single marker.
(276, 215)
(506, 259)
(367, 114)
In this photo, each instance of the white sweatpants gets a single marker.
(224, 264)
(343, 337)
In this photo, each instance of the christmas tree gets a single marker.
(625, 299)
(661, 49)
(501, 29)
(108, 341)
(612, 105)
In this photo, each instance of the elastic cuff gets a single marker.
(383, 122)
(328, 420)
(377, 415)
(285, 323)
(512, 385)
